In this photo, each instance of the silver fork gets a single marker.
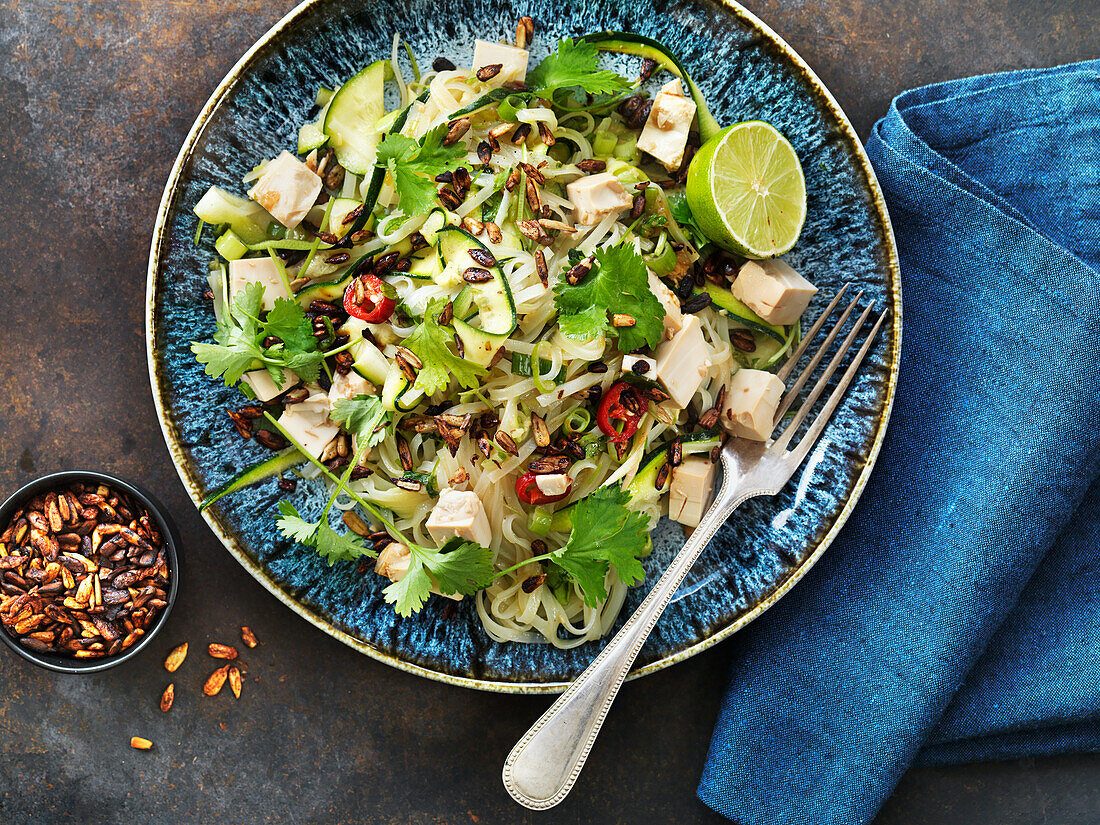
(544, 764)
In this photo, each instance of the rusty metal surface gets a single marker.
(96, 97)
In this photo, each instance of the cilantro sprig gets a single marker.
(457, 567)
(619, 284)
(239, 337)
(574, 66)
(319, 535)
(365, 418)
(414, 166)
(606, 533)
(430, 342)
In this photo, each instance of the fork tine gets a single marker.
(812, 434)
(819, 387)
(792, 392)
(811, 333)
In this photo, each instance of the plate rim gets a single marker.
(168, 430)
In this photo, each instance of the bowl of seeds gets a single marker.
(89, 571)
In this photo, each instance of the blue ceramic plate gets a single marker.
(747, 73)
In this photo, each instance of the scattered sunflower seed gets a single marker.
(458, 128)
(489, 72)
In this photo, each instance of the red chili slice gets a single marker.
(613, 408)
(366, 299)
(527, 489)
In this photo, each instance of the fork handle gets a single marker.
(544, 764)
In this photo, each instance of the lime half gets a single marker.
(746, 190)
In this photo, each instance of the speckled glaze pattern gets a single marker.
(746, 72)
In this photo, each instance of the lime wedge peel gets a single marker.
(747, 192)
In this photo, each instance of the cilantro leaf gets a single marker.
(408, 594)
(235, 355)
(574, 65)
(298, 351)
(584, 325)
(457, 567)
(429, 341)
(306, 365)
(460, 566)
(238, 340)
(364, 417)
(288, 321)
(414, 166)
(293, 526)
(335, 547)
(619, 284)
(332, 546)
(606, 533)
(247, 306)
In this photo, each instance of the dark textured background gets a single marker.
(96, 98)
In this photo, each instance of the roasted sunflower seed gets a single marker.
(743, 340)
(489, 71)
(476, 275)
(458, 128)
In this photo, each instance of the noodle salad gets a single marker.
(493, 321)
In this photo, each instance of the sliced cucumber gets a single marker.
(521, 365)
(369, 361)
(245, 217)
(493, 298)
(331, 291)
(478, 346)
(425, 265)
(312, 136)
(341, 208)
(278, 463)
(398, 393)
(724, 299)
(230, 246)
(627, 43)
(487, 99)
(352, 114)
(464, 306)
(435, 221)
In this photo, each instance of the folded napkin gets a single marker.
(958, 610)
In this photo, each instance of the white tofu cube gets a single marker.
(773, 291)
(257, 270)
(393, 563)
(683, 361)
(553, 484)
(640, 365)
(690, 491)
(308, 422)
(459, 513)
(666, 129)
(594, 197)
(263, 385)
(513, 61)
(348, 386)
(673, 319)
(287, 189)
(752, 399)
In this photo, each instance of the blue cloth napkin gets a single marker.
(958, 615)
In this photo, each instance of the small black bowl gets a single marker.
(68, 664)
